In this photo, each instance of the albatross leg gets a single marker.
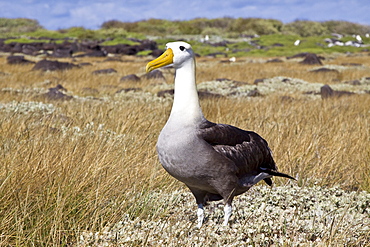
(227, 210)
(200, 214)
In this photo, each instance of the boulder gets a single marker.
(155, 74)
(18, 60)
(130, 89)
(324, 70)
(164, 93)
(47, 65)
(311, 58)
(56, 93)
(104, 71)
(327, 92)
(131, 77)
(275, 60)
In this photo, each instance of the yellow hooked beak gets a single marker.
(165, 59)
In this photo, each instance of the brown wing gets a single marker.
(248, 150)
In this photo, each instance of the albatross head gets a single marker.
(177, 53)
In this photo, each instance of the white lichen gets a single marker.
(282, 216)
(27, 107)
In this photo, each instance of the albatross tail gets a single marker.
(276, 173)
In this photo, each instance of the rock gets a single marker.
(104, 71)
(113, 59)
(165, 93)
(275, 60)
(353, 82)
(62, 52)
(56, 93)
(327, 92)
(254, 93)
(324, 70)
(114, 49)
(130, 89)
(155, 74)
(208, 95)
(18, 60)
(311, 58)
(129, 50)
(298, 55)
(156, 52)
(30, 49)
(85, 64)
(233, 82)
(95, 53)
(256, 81)
(131, 77)
(352, 64)
(46, 65)
(90, 91)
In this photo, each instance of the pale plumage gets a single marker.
(215, 161)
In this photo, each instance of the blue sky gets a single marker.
(57, 14)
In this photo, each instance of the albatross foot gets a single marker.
(200, 214)
(227, 210)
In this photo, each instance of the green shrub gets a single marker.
(255, 26)
(345, 27)
(18, 25)
(117, 41)
(305, 28)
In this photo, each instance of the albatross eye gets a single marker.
(182, 48)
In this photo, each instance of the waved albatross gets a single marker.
(215, 161)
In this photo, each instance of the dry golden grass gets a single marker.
(70, 166)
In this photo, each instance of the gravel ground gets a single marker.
(281, 216)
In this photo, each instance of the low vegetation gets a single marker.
(231, 27)
(83, 171)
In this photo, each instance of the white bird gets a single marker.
(232, 59)
(215, 161)
(358, 38)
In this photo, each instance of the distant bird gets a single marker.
(215, 161)
(358, 38)
(297, 42)
(232, 59)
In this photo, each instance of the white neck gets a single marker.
(186, 108)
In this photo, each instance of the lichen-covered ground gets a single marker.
(282, 216)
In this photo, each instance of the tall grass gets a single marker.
(71, 166)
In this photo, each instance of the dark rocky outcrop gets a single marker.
(130, 89)
(156, 52)
(311, 58)
(155, 74)
(259, 80)
(57, 93)
(131, 77)
(18, 60)
(208, 95)
(275, 60)
(47, 65)
(327, 92)
(298, 55)
(70, 47)
(164, 93)
(353, 82)
(325, 70)
(104, 71)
